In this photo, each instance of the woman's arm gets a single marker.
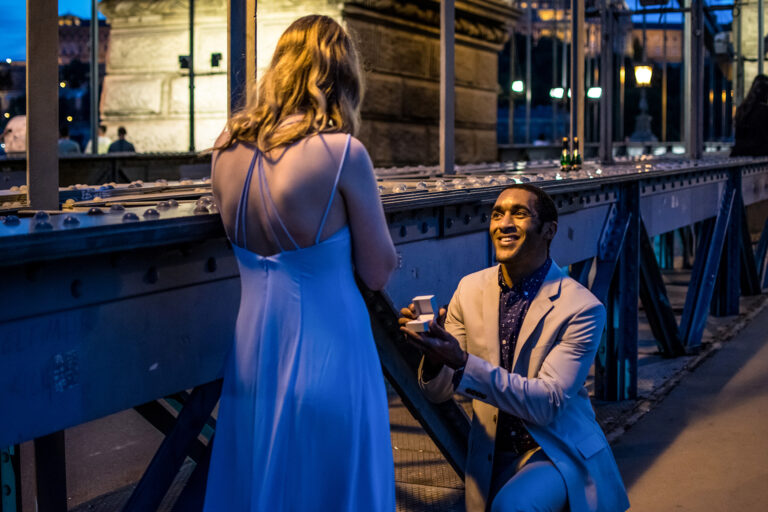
(373, 251)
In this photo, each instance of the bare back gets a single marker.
(300, 181)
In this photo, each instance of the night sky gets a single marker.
(13, 24)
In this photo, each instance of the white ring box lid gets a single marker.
(426, 308)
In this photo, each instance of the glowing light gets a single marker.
(556, 93)
(594, 93)
(7, 115)
(8, 60)
(518, 86)
(69, 119)
(62, 84)
(622, 74)
(643, 75)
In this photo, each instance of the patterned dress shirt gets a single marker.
(511, 434)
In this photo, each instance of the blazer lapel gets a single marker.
(490, 317)
(541, 304)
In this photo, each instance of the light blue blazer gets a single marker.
(557, 344)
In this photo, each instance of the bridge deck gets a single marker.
(106, 455)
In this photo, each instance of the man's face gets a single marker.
(517, 232)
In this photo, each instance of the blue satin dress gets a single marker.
(303, 422)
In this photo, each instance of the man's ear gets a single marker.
(550, 230)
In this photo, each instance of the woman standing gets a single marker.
(751, 121)
(303, 422)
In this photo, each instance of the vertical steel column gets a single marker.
(760, 36)
(664, 88)
(447, 92)
(511, 113)
(50, 473)
(94, 79)
(42, 104)
(739, 80)
(554, 72)
(191, 76)
(725, 301)
(528, 96)
(607, 22)
(10, 479)
(577, 73)
(711, 98)
(694, 79)
(628, 291)
(241, 22)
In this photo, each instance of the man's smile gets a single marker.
(505, 240)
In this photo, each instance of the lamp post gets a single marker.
(643, 75)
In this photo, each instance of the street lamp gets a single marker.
(643, 75)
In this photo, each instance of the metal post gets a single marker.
(447, 64)
(554, 74)
(694, 79)
(242, 51)
(739, 81)
(512, 61)
(577, 72)
(664, 88)
(94, 77)
(711, 98)
(191, 76)
(528, 47)
(42, 104)
(606, 82)
(760, 36)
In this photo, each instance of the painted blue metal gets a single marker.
(10, 497)
(707, 259)
(762, 246)
(609, 250)
(580, 271)
(750, 280)
(725, 298)
(653, 295)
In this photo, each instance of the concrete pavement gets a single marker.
(705, 447)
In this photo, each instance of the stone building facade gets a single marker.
(146, 91)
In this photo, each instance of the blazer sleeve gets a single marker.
(440, 388)
(539, 400)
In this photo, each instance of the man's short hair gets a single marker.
(103, 128)
(121, 132)
(546, 210)
(63, 131)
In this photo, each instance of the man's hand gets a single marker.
(437, 344)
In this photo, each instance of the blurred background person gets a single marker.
(104, 141)
(66, 145)
(121, 145)
(751, 121)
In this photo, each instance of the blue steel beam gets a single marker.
(653, 295)
(701, 290)
(750, 280)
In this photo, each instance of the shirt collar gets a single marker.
(533, 281)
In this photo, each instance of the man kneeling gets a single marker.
(519, 339)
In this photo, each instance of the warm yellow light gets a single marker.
(711, 96)
(722, 97)
(69, 119)
(62, 84)
(622, 74)
(7, 115)
(643, 74)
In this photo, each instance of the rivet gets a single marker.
(467, 219)
(130, 217)
(95, 211)
(151, 276)
(174, 203)
(448, 222)
(200, 209)
(151, 213)
(76, 288)
(6, 490)
(163, 205)
(11, 220)
(41, 215)
(70, 221)
(43, 225)
(116, 208)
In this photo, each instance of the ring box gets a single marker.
(426, 309)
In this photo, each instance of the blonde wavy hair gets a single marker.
(314, 72)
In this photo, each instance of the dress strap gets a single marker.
(242, 204)
(265, 191)
(333, 190)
